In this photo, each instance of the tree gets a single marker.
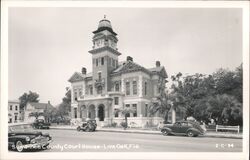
(225, 109)
(28, 97)
(161, 103)
(64, 108)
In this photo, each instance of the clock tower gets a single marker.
(104, 56)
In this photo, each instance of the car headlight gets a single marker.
(33, 141)
(27, 138)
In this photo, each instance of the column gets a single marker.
(173, 115)
(96, 113)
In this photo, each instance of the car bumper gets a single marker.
(41, 145)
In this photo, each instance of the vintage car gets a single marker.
(22, 136)
(191, 129)
(88, 126)
(40, 124)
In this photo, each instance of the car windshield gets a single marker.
(20, 128)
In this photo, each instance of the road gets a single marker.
(73, 141)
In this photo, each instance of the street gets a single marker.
(73, 141)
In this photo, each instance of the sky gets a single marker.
(47, 45)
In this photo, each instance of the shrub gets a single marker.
(124, 124)
(114, 124)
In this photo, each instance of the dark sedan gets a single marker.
(22, 136)
(191, 129)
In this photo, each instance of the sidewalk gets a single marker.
(140, 131)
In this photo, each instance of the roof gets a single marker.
(40, 105)
(130, 66)
(13, 101)
(104, 24)
(77, 76)
(159, 70)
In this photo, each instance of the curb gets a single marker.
(153, 133)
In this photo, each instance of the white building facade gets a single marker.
(113, 85)
(13, 111)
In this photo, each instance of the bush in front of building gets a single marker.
(124, 125)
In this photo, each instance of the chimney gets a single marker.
(158, 63)
(129, 58)
(84, 70)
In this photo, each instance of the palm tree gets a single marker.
(160, 103)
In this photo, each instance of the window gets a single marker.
(16, 108)
(146, 110)
(80, 92)
(11, 107)
(127, 88)
(91, 90)
(99, 75)
(127, 114)
(117, 87)
(116, 100)
(116, 113)
(15, 117)
(99, 90)
(145, 88)
(75, 112)
(96, 62)
(135, 110)
(10, 120)
(75, 94)
(102, 60)
(134, 88)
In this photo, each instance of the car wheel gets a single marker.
(78, 129)
(87, 129)
(165, 132)
(190, 134)
(19, 146)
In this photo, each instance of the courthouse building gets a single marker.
(113, 85)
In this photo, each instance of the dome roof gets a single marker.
(104, 24)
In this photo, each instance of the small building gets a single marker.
(13, 111)
(34, 107)
(114, 85)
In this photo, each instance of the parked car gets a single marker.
(40, 124)
(88, 126)
(191, 129)
(22, 136)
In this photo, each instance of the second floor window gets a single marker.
(16, 108)
(116, 100)
(80, 92)
(145, 88)
(117, 87)
(102, 60)
(75, 94)
(99, 90)
(134, 87)
(90, 90)
(10, 107)
(96, 62)
(127, 88)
